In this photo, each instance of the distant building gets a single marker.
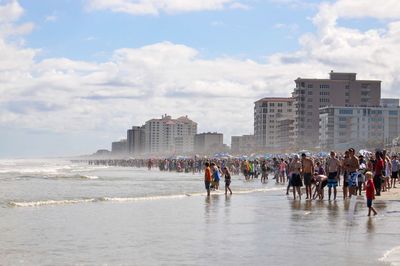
(207, 143)
(136, 140)
(341, 89)
(390, 102)
(285, 139)
(167, 135)
(119, 147)
(358, 127)
(102, 152)
(268, 113)
(243, 144)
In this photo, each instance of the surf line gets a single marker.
(50, 202)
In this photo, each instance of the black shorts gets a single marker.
(207, 184)
(307, 179)
(296, 180)
(324, 183)
(395, 175)
(227, 183)
(332, 175)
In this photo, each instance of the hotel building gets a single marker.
(341, 89)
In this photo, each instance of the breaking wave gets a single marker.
(126, 199)
(392, 257)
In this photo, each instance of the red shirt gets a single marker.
(207, 174)
(370, 189)
(379, 165)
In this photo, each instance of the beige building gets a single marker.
(271, 115)
(207, 143)
(358, 127)
(341, 89)
(167, 135)
(243, 144)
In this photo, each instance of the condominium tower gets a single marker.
(358, 127)
(341, 89)
(167, 135)
(271, 115)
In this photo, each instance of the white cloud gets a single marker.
(10, 11)
(238, 5)
(135, 84)
(51, 18)
(154, 7)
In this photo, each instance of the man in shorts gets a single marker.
(353, 166)
(333, 170)
(307, 171)
(296, 182)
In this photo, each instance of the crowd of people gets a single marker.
(354, 173)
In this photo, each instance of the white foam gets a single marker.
(128, 199)
(392, 256)
(49, 202)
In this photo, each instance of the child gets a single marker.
(370, 192)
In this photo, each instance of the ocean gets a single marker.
(55, 212)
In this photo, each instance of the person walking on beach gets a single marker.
(370, 190)
(379, 168)
(227, 175)
(333, 169)
(395, 171)
(307, 171)
(207, 177)
(296, 182)
(282, 171)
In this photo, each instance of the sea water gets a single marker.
(54, 212)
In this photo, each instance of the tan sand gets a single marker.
(391, 195)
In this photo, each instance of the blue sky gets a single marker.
(264, 28)
(76, 74)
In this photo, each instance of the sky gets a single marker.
(76, 74)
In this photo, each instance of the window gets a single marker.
(342, 119)
(310, 86)
(324, 100)
(324, 86)
(365, 85)
(364, 93)
(345, 111)
(271, 104)
(280, 104)
(324, 93)
(309, 92)
(309, 100)
(393, 112)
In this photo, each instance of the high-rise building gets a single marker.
(119, 147)
(136, 140)
(269, 114)
(206, 143)
(341, 89)
(243, 144)
(358, 127)
(167, 135)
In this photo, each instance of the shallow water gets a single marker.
(52, 214)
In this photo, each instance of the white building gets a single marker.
(167, 135)
(358, 127)
(269, 114)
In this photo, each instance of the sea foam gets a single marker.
(392, 256)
